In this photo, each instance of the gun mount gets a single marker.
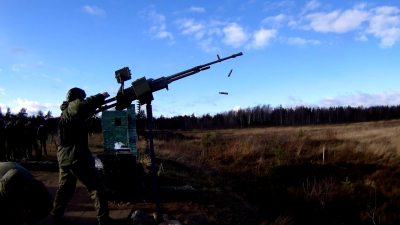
(142, 89)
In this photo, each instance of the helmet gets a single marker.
(75, 93)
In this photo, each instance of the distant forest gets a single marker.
(258, 116)
(265, 115)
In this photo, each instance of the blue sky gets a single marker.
(311, 53)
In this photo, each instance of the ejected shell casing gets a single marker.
(230, 73)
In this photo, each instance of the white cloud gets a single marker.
(298, 102)
(189, 26)
(336, 21)
(94, 10)
(386, 10)
(275, 21)
(311, 5)
(191, 10)
(15, 68)
(261, 38)
(2, 91)
(159, 28)
(57, 79)
(237, 108)
(204, 32)
(280, 4)
(357, 99)
(206, 45)
(363, 99)
(217, 31)
(0, 70)
(385, 26)
(196, 9)
(383, 22)
(3, 107)
(361, 38)
(360, 6)
(32, 107)
(235, 36)
(301, 41)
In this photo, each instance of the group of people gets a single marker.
(17, 139)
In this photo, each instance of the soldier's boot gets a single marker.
(61, 220)
(110, 221)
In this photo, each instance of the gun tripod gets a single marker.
(149, 118)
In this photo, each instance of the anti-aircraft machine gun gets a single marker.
(142, 89)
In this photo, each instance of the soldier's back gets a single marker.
(7, 166)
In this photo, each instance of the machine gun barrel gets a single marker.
(197, 69)
(162, 82)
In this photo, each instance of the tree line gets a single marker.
(40, 118)
(47, 119)
(265, 115)
(258, 116)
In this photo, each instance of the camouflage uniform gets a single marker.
(30, 132)
(75, 159)
(19, 138)
(42, 136)
(10, 139)
(23, 199)
(3, 155)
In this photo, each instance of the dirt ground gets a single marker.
(218, 207)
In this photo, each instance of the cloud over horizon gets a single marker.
(32, 107)
(350, 99)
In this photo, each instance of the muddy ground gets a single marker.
(217, 206)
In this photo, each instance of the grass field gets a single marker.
(279, 173)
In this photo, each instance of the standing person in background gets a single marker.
(31, 139)
(19, 139)
(42, 136)
(3, 152)
(25, 141)
(10, 140)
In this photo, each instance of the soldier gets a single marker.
(10, 140)
(25, 141)
(42, 136)
(3, 152)
(23, 199)
(74, 157)
(19, 139)
(31, 140)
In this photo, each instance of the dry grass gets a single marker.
(279, 169)
(285, 163)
